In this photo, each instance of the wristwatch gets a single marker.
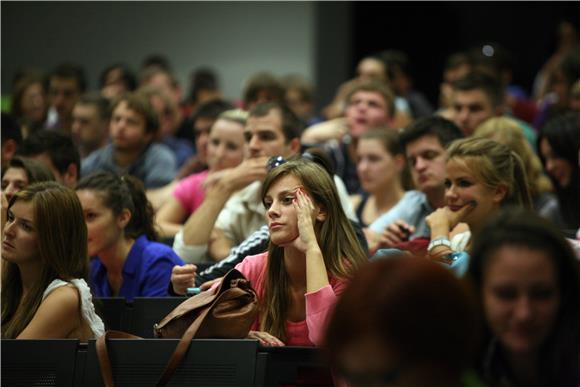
(441, 241)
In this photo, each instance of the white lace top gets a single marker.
(87, 307)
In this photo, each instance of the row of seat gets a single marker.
(137, 316)
(68, 363)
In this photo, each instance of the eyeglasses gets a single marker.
(276, 161)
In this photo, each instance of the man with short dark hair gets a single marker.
(232, 209)
(57, 152)
(424, 141)
(66, 84)
(477, 97)
(133, 128)
(90, 124)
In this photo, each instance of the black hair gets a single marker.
(128, 76)
(60, 149)
(291, 124)
(478, 80)
(202, 79)
(10, 129)
(212, 109)
(263, 81)
(563, 134)
(445, 130)
(102, 104)
(71, 70)
(120, 192)
(35, 170)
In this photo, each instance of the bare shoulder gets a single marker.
(63, 298)
(57, 316)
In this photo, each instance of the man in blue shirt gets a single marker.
(133, 128)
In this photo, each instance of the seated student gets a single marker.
(186, 276)
(559, 150)
(21, 172)
(127, 262)
(231, 210)
(133, 128)
(482, 177)
(369, 104)
(17, 174)
(57, 152)
(404, 322)
(528, 282)
(313, 252)
(424, 141)
(507, 131)
(226, 147)
(381, 168)
(44, 262)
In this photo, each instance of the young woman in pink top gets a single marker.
(225, 150)
(313, 252)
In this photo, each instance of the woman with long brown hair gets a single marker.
(45, 261)
(313, 252)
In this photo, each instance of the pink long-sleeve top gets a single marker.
(319, 304)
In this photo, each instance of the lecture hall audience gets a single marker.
(446, 204)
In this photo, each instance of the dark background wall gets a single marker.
(430, 31)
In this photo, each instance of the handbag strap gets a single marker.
(182, 347)
(103, 354)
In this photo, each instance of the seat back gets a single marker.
(42, 363)
(207, 363)
(146, 312)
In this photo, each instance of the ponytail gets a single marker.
(119, 193)
(143, 215)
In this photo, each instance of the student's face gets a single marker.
(521, 297)
(114, 85)
(280, 212)
(462, 188)
(559, 168)
(63, 94)
(471, 108)
(88, 129)
(365, 110)
(166, 117)
(201, 129)
(33, 102)
(14, 180)
(226, 145)
(377, 168)
(265, 136)
(426, 158)
(127, 129)
(103, 228)
(371, 69)
(20, 240)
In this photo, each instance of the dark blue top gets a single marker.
(147, 271)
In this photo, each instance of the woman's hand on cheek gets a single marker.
(444, 218)
(306, 214)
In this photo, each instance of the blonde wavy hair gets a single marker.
(506, 131)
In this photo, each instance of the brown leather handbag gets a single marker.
(226, 312)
